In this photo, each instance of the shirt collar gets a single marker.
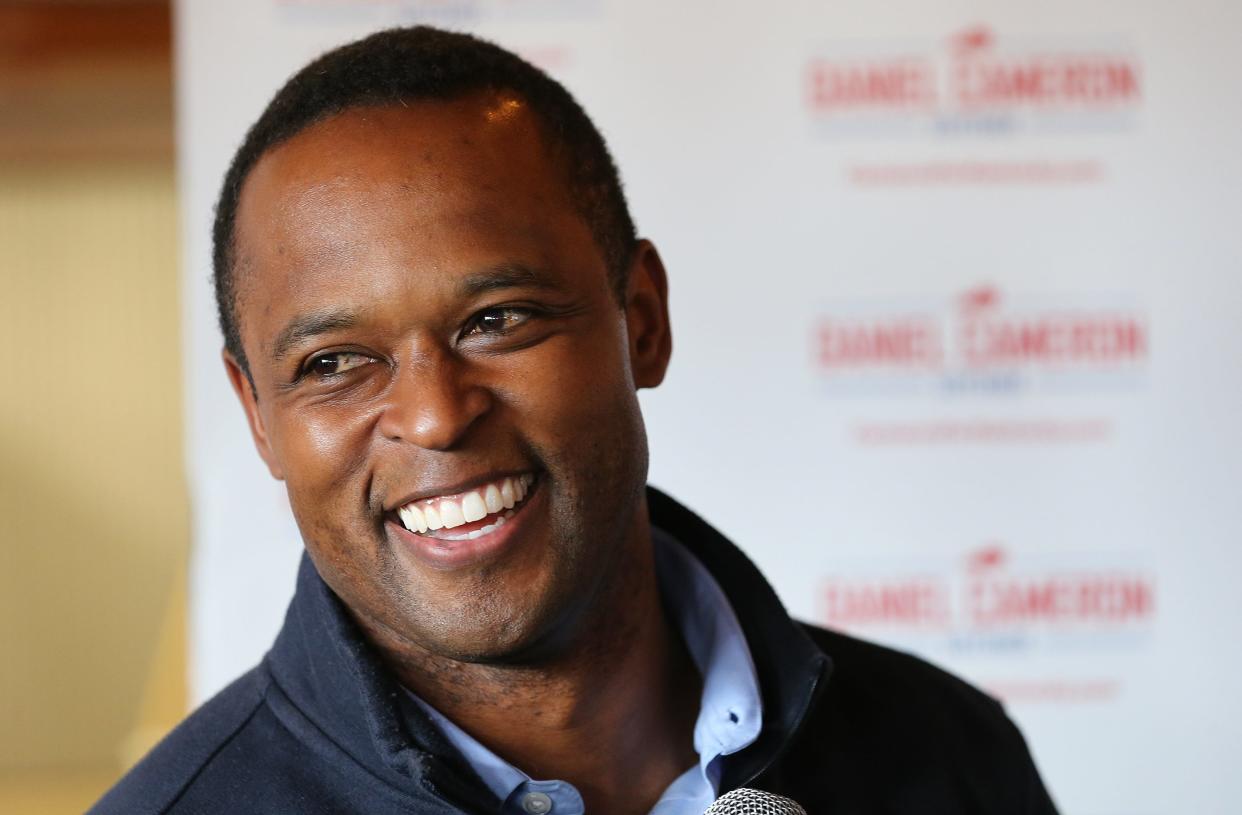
(730, 708)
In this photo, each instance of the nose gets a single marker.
(432, 404)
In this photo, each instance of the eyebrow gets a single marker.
(506, 276)
(305, 326)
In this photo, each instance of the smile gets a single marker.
(483, 509)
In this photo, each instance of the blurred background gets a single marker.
(94, 517)
(956, 289)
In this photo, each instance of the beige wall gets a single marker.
(93, 512)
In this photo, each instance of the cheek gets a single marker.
(582, 415)
(578, 387)
(325, 450)
(322, 449)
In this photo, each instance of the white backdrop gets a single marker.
(958, 316)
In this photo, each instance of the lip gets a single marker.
(452, 490)
(445, 555)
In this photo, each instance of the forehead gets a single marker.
(473, 153)
(429, 188)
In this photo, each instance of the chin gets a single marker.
(504, 634)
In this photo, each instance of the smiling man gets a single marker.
(436, 317)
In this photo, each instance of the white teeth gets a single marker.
(478, 533)
(413, 518)
(507, 496)
(491, 497)
(473, 508)
(451, 514)
(447, 513)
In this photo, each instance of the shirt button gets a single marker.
(536, 803)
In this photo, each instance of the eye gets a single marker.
(498, 320)
(335, 363)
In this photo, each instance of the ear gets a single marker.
(646, 316)
(244, 388)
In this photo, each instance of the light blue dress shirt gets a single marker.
(730, 709)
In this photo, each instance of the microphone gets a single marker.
(744, 801)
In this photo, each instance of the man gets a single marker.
(436, 316)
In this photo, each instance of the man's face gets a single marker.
(432, 334)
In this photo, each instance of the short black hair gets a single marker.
(421, 63)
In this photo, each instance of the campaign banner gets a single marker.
(955, 298)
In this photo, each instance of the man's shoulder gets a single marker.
(156, 783)
(870, 671)
(892, 721)
(875, 687)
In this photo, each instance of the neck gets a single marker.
(613, 713)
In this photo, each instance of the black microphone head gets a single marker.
(745, 801)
